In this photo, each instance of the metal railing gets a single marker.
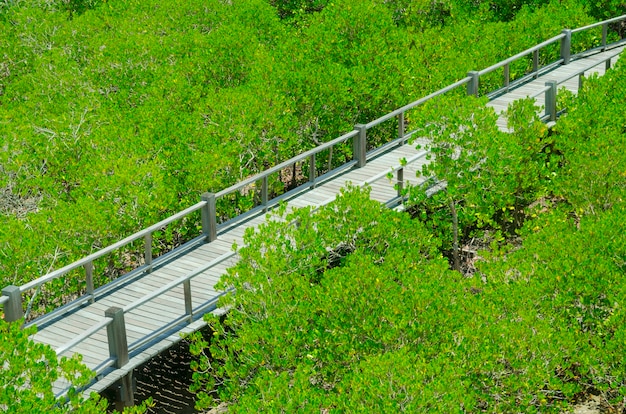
(551, 88)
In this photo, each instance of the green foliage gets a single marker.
(591, 138)
(357, 313)
(564, 286)
(117, 114)
(491, 177)
(31, 368)
(314, 279)
(291, 8)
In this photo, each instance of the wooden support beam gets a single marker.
(360, 145)
(551, 100)
(118, 350)
(566, 46)
(472, 85)
(13, 308)
(209, 217)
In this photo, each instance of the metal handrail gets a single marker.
(86, 334)
(283, 165)
(133, 237)
(586, 68)
(591, 26)
(420, 101)
(521, 55)
(177, 282)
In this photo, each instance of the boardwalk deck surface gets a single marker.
(159, 312)
(560, 74)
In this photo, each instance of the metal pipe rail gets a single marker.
(81, 338)
(522, 54)
(11, 299)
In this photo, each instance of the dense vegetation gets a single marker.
(113, 115)
(355, 309)
(29, 369)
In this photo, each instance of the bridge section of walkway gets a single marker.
(119, 326)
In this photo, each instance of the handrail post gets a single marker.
(264, 193)
(209, 217)
(551, 100)
(359, 145)
(607, 64)
(13, 308)
(89, 280)
(536, 64)
(605, 29)
(401, 127)
(148, 252)
(581, 77)
(507, 76)
(312, 170)
(472, 85)
(566, 46)
(188, 300)
(118, 350)
(400, 181)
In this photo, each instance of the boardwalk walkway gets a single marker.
(217, 256)
(122, 325)
(565, 76)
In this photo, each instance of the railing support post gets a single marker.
(312, 170)
(472, 85)
(264, 191)
(401, 127)
(507, 76)
(581, 77)
(566, 46)
(605, 29)
(607, 64)
(89, 280)
(551, 100)
(118, 349)
(147, 253)
(13, 308)
(359, 145)
(209, 217)
(188, 300)
(400, 181)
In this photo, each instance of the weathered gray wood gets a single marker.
(360, 145)
(118, 349)
(551, 100)
(472, 86)
(89, 280)
(188, 300)
(116, 334)
(13, 308)
(148, 252)
(566, 46)
(208, 217)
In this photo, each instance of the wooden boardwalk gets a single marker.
(566, 76)
(169, 298)
(160, 311)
